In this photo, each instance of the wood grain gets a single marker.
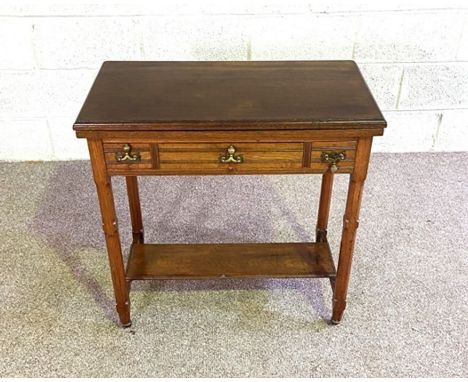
(109, 224)
(223, 134)
(324, 206)
(221, 146)
(350, 225)
(135, 209)
(195, 261)
(240, 95)
(181, 116)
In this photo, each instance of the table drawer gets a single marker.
(230, 157)
(127, 156)
(336, 155)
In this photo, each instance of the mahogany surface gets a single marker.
(182, 118)
(241, 95)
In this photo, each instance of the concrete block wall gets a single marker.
(413, 54)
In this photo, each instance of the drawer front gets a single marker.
(141, 157)
(343, 151)
(230, 157)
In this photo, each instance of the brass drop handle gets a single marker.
(127, 155)
(231, 157)
(333, 158)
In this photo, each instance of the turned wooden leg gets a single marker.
(350, 224)
(135, 209)
(109, 224)
(324, 206)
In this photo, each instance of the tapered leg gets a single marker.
(324, 206)
(109, 224)
(350, 224)
(135, 209)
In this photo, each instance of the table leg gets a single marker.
(135, 209)
(109, 224)
(350, 225)
(324, 206)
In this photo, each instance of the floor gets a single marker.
(407, 309)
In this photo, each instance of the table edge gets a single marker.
(227, 125)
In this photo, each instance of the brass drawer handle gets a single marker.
(333, 158)
(127, 155)
(231, 158)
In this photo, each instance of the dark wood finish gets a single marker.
(155, 155)
(350, 225)
(180, 117)
(203, 158)
(257, 157)
(109, 225)
(237, 95)
(224, 135)
(144, 150)
(135, 209)
(199, 261)
(324, 206)
(318, 168)
(307, 154)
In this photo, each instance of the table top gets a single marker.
(246, 95)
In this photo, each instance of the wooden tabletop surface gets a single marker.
(138, 95)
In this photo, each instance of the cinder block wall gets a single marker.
(414, 55)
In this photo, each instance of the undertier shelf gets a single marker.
(252, 260)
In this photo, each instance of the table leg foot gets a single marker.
(124, 315)
(126, 325)
(338, 310)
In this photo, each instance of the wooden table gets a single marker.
(228, 118)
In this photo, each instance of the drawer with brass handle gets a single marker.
(334, 156)
(128, 155)
(230, 157)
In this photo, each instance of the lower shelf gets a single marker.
(255, 260)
